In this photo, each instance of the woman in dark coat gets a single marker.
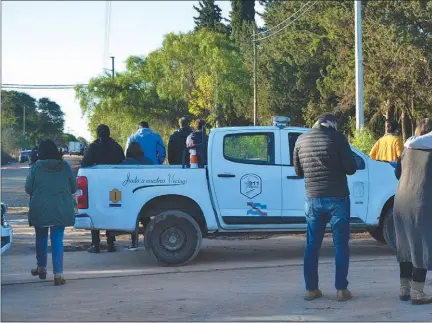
(50, 184)
(413, 214)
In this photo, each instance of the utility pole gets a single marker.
(112, 66)
(358, 66)
(255, 84)
(23, 119)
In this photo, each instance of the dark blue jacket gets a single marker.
(140, 161)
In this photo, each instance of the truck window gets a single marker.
(250, 148)
(292, 139)
(360, 163)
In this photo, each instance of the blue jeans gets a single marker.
(56, 233)
(319, 212)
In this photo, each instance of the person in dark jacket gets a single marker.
(199, 139)
(323, 157)
(177, 143)
(412, 214)
(103, 151)
(50, 184)
(135, 156)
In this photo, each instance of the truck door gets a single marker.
(246, 178)
(294, 192)
(293, 187)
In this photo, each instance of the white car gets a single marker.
(249, 185)
(6, 230)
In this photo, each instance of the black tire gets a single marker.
(377, 234)
(389, 229)
(173, 238)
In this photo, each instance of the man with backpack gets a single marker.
(199, 139)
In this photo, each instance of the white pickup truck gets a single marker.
(248, 186)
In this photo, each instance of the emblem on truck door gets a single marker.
(115, 196)
(250, 185)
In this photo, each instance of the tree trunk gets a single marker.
(403, 124)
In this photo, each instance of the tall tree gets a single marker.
(209, 17)
(242, 20)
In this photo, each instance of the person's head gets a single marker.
(143, 124)
(134, 150)
(183, 122)
(103, 131)
(328, 120)
(200, 124)
(48, 150)
(391, 126)
(424, 126)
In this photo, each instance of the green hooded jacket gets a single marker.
(50, 184)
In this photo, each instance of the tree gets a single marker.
(43, 119)
(209, 17)
(242, 20)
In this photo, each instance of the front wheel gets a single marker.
(173, 238)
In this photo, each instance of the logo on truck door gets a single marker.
(250, 185)
(115, 196)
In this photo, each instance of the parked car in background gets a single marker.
(6, 230)
(24, 156)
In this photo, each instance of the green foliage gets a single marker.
(362, 139)
(209, 17)
(43, 119)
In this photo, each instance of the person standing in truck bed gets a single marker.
(103, 151)
(177, 143)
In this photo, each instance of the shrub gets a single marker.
(362, 139)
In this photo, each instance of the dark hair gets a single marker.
(134, 150)
(199, 124)
(48, 150)
(393, 125)
(328, 120)
(103, 131)
(144, 124)
(183, 122)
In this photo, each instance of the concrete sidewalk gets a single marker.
(215, 255)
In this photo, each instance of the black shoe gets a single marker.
(111, 248)
(94, 249)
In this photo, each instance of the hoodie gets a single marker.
(151, 143)
(50, 184)
(177, 145)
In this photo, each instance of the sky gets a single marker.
(62, 42)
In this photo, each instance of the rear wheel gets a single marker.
(173, 238)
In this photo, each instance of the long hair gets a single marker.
(48, 150)
(134, 150)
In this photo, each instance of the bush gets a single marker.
(362, 139)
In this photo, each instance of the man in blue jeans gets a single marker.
(324, 158)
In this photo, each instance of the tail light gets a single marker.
(82, 194)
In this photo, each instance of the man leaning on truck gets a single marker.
(103, 151)
(323, 157)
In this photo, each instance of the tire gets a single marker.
(389, 229)
(185, 233)
(377, 234)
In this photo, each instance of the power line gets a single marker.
(41, 86)
(282, 22)
(287, 25)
